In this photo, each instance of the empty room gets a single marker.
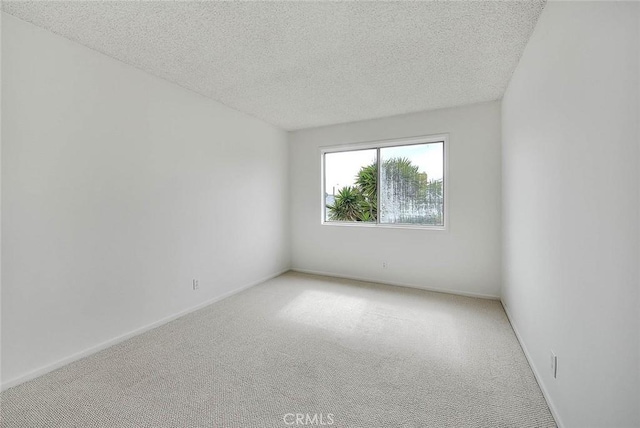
(336, 213)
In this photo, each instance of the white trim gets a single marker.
(363, 145)
(384, 225)
(377, 145)
(108, 343)
(536, 374)
(397, 284)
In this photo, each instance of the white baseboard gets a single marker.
(106, 344)
(400, 284)
(536, 373)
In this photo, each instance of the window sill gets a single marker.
(382, 226)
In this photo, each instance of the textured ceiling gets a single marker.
(306, 64)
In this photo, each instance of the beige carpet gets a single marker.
(350, 353)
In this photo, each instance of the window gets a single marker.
(390, 183)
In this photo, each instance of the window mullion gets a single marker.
(379, 173)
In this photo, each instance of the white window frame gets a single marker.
(377, 145)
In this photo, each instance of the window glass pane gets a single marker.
(350, 184)
(411, 184)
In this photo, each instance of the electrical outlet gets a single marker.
(195, 284)
(384, 265)
(554, 365)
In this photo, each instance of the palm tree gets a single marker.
(404, 190)
(367, 184)
(402, 179)
(347, 205)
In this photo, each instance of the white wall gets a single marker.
(465, 258)
(1, 31)
(118, 188)
(570, 193)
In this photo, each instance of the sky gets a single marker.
(341, 167)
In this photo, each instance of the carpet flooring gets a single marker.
(301, 350)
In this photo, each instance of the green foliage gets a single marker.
(347, 205)
(360, 202)
(367, 184)
(367, 180)
(402, 175)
